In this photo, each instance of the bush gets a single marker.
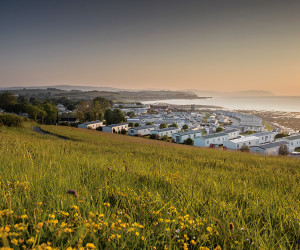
(219, 129)
(123, 131)
(99, 128)
(188, 141)
(165, 138)
(280, 135)
(11, 120)
(283, 150)
(154, 136)
(245, 149)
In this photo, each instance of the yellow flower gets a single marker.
(118, 236)
(137, 234)
(52, 216)
(209, 229)
(193, 242)
(68, 230)
(24, 216)
(92, 214)
(90, 245)
(143, 238)
(40, 225)
(30, 241)
(14, 241)
(106, 204)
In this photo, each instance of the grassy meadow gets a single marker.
(141, 194)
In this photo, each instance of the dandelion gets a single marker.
(209, 229)
(14, 241)
(137, 233)
(90, 246)
(24, 216)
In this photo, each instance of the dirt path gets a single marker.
(43, 132)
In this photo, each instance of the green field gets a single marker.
(139, 193)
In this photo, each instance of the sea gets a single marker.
(266, 103)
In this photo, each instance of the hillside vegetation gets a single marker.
(137, 193)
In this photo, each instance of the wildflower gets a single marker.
(209, 229)
(30, 241)
(242, 229)
(92, 214)
(143, 238)
(75, 208)
(137, 233)
(68, 230)
(24, 216)
(118, 236)
(90, 245)
(14, 241)
(52, 216)
(193, 242)
(40, 225)
(106, 204)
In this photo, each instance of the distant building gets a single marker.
(181, 137)
(115, 128)
(165, 131)
(91, 125)
(268, 148)
(211, 140)
(240, 142)
(141, 131)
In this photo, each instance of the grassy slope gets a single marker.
(161, 187)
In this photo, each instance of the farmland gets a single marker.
(129, 192)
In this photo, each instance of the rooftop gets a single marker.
(272, 144)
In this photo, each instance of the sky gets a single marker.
(207, 45)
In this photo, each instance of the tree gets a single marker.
(131, 125)
(188, 141)
(33, 111)
(118, 116)
(173, 125)
(114, 116)
(245, 149)
(283, 150)
(108, 116)
(280, 135)
(137, 124)
(51, 111)
(165, 138)
(131, 114)
(163, 125)
(7, 100)
(219, 129)
(185, 127)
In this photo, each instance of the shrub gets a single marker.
(165, 138)
(11, 120)
(154, 136)
(123, 131)
(219, 129)
(280, 135)
(283, 150)
(245, 149)
(189, 141)
(99, 128)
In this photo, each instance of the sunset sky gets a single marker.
(206, 45)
